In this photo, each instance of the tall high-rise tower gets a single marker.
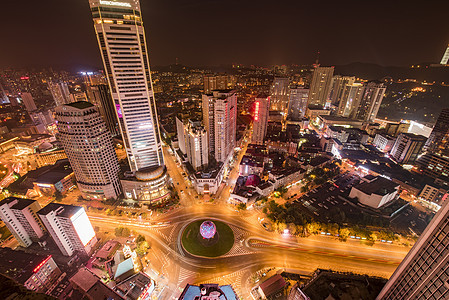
(89, 148)
(20, 216)
(320, 86)
(101, 97)
(338, 85)
(220, 120)
(445, 58)
(261, 111)
(279, 94)
(28, 101)
(371, 101)
(297, 103)
(121, 38)
(350, 100)
(60, 92)
(424, 272)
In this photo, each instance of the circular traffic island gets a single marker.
(207, 238)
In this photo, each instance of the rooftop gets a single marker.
(21, 203)
(134, 285)
(211, 292)
(273, 285)
(379, 186)
(18, 264)
(66, 211)
(81, 104)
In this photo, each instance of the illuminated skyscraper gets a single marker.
(20, 216)
(89, 148)
(28, 101)
(297, 103)
(121, 38)
(261, 111)
(220, 120)
(101, 97)
(60, 92)
(371, 101)
(320, 86)
(279, 94)
(445, 58)
(424, 272)
(211, 83)
(196, 146)
(338, 85)
(350, 100)
(69, 227)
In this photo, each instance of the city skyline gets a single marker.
(372, 38)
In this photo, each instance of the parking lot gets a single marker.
(327, 204)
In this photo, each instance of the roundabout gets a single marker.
(207, 238)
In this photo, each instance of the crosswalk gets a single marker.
(237, 249)
(184, 275)
(233, 279)
(171, 237)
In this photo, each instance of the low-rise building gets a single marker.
(375, 192)
(208, 181)
(384, 142)
(91, 287)
(271, 286)
(35, 272)
(324, 121)
(434, 193)
(136, 287)
(250, 165)
(286, 176)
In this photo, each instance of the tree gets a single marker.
(58, 196)
(241, 206)
(344, 234)
(140, 238)
(122, 231)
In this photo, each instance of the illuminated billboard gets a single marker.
(83, 227)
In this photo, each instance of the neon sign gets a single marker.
(41, 264)
(124, 4)
(256, 113)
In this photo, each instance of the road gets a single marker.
(254, 250)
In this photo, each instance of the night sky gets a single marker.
(216, 32)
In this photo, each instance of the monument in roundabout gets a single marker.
(207, 238)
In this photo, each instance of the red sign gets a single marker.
(256, 113)
(25, 78)
(41, 264)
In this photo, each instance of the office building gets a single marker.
(35, 271)
(337, 87)
(371, 101)
(69, 227)
(123, 46)
(215, 82)
(28, 101)
(297, 103)
(424, 272)
(350, 100)
(88, 146)
(60, 92)
(101, 97)
(196, 146)
(180, 130)
(407, 148)
(261, 111)
(439, 138)
(279, 94)
(435, 161)
(445, 58)
(20, 217)
(320, 86)
(121, 38)
(220, 120)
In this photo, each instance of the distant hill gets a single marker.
(373, 71)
